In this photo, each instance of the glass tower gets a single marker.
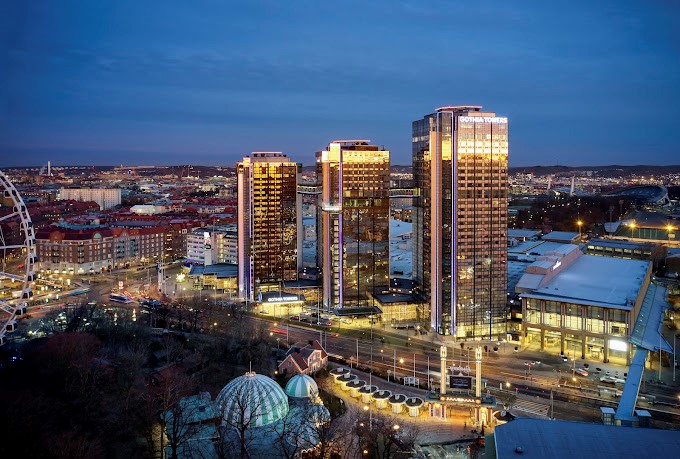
(269, 217)
(460, 172)
(353, 219)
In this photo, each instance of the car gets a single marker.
(581, 372)
(565, 358)
(264, 311)
(536, 362)
(608, 380)
(294, 317)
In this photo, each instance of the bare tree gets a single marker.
(161, 410)
(385, 436)
(240, 416)
(184, 423)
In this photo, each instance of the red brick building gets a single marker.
(304, 359)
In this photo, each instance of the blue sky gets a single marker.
(206, 82)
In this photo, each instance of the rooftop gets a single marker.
(540, 438)
(561, 236)
(599, 281)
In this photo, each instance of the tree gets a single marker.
(385, 436)
(160, 406)
(240, 417)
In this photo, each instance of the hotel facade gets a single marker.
(353, 221)
(460, 171)
(269, 219)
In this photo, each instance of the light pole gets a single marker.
(580, 224)
(357, 352)
(394, 365)
(674, 335)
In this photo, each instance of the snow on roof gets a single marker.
(401, 251)
(528, 282)
(545, 264)
(512, 232)
(535, 247)
(562, 249)
(612, 282)
(560, 236)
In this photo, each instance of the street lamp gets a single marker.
(580, 224)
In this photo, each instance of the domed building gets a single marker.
(252, 400)
(302, 387)
(254, 414)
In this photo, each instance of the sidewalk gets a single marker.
(430, 430)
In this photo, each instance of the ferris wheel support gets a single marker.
(17, 240)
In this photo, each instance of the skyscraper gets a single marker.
(460, 171)
(268, 220)
(353, 221)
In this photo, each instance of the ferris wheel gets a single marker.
(17, 257)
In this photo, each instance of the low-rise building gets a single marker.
(618, 248)
(76, 251)
(105, 197)
(215, 244)
(582, 305)
(304, 359)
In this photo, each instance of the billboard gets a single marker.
(460, 382)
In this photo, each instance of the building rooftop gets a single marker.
(621, 244)
(540, 438)
(565, 237)
(523, 233)
(598, 281)
(535, 248)
(221, 270)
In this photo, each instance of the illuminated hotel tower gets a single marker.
(353, 219)
(268, 220)
(460, 172)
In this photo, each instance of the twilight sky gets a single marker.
(205, 82)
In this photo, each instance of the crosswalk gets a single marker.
(527, 406)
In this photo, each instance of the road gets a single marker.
(499, 369)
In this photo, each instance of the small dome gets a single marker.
(252, 400)
(302, 386)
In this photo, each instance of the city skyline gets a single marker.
(93, 84)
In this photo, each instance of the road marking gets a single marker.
(531, 407)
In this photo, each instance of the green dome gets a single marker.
(252, 400)
(302, 386)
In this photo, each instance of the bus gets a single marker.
(119, 298)
(79, 291)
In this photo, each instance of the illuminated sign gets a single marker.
(460, 382)
(455, 399)
(268, 297)
(483, 119)
(279, 299)
(461, 369)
